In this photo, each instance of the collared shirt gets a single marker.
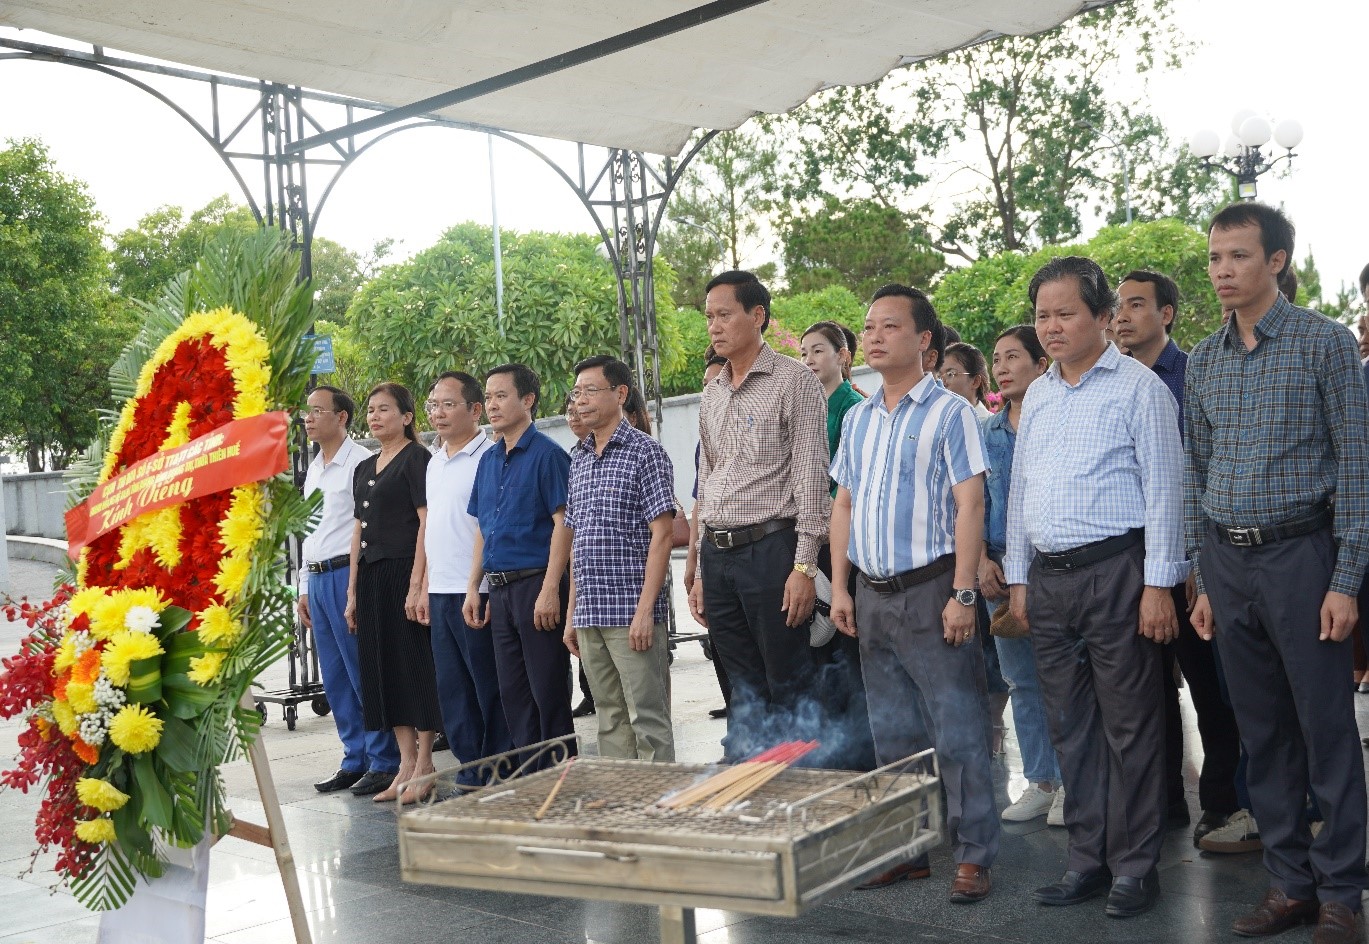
(838, 403)
(764, 450)
(613, 498)
(900, 468)
(1098, 459)
(449, 537)
(515, 495)
(1170, 367)
(1276, 432)
(999, 441)
(333, 536)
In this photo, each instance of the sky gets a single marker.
(1304, 61)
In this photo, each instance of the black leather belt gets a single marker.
(1091, 553)
(740, 537)
(502, 578)
(331, 564)
(910, 578)
(1268, 534)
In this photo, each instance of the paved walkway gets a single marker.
(348, 866)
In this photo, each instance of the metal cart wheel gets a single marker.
(707, 648)
(261, 710)
(291, 715)
(320, 705)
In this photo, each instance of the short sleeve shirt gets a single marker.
(516, 493)
(613, 498)
(387, 502)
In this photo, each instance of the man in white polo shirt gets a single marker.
(467, 687)
(370, 758)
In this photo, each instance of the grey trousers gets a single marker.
(631, 692)
(923, 692)
(1295, 710)
(1100, 681)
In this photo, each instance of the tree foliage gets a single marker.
(983, 299)
(166, 242)
(857, 244)
(436, 311)
(61, 327)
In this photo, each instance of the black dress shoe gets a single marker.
(1074, 887)
(583, 710)
(1207, 823)
(373, 782)
(440, 743)
(339, 781)
(1177, 815)
(722, 713)
(1132, 896)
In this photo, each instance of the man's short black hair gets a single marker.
(525, 381)
(1364, 281)
(952, 335)
(748, 289)
(1094, 289)
(470, 387)
(1166, 292)
(342, 403)
(938, 345)
(924, 315)
(1276, 230)
(615, 371)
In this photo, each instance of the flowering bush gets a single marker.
(132, 680)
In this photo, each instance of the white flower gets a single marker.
(141, 619)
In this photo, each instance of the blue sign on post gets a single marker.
(323, 354)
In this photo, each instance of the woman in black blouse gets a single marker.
(398, 684)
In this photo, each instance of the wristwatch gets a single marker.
(965, 597)
(808, 570)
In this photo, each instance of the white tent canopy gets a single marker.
(768, 58)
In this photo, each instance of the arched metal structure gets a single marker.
(625, 194)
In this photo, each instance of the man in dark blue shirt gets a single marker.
(519, 499)
(1148, 304)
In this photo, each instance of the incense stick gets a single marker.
(551, 797)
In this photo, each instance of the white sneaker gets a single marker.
(1032, 803)
(1056, 817)
(1240, 834)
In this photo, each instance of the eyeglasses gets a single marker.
(952, 374)
(314, 412)
(578, 392)
(432, 405)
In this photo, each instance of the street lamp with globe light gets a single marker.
(1241, 155)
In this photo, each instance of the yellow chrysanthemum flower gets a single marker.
(96, 830)
(81, 697)
(178, 430)
(65, 717)
(249, 403)
(239, 533)
(84, 601)
(205, 669)
(135, 729)
(232, 575)
(149, 597)
(107, 618)
(249, 501)
(163, 535)
(66, 654)
(127, 647)
(100, 794)
(217, 627)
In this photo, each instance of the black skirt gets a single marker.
(398, 684)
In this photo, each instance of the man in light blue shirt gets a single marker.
(909, 514)
(1095, 542)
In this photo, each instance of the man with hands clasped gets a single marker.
(909, 514)
(1094, 538)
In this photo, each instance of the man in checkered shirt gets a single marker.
(619, 510)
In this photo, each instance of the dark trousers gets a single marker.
(1216, 721)
(467, 684)
(1295, 709)
(769, 664)
(925, 693)
(533, 665)
(1100, 681)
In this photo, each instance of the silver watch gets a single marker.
(965, 597)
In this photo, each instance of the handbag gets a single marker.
(1005, 626)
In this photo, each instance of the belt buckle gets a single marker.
(723, 540)
(1244, 537)
(314, 567)
(497, 578)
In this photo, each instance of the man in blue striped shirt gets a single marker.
(1095, 531)
(1278, 429)
(909, 513)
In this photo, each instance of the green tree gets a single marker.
(983, 299)
(436, 311)
(338, 273)
(858, 244)
(165, 243)
(62, 329)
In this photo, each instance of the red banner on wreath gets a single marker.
(239, 452)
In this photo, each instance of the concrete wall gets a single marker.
(34, 504)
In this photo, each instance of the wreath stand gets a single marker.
(273, 833)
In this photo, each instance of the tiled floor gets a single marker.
(348, 867)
